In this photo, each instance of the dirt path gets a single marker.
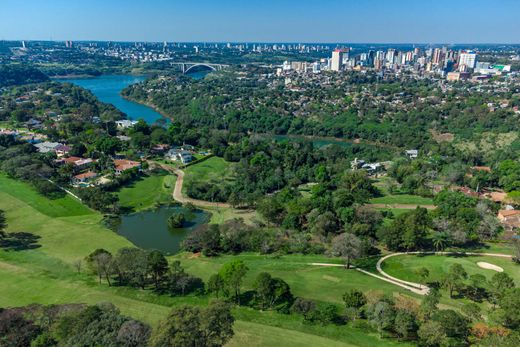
(402, 206)
(177, 191)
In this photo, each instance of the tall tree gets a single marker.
(347, 246)
(232, 274)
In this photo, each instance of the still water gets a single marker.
(149, 229)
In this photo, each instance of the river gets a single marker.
(107, 88)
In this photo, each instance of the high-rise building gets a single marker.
(437, 56)
(337, 60)
(390, 55)
(467, 59)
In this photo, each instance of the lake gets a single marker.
(149, 229)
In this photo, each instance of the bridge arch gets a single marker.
(211, 67)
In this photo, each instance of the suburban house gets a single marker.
(125, 123)
(122, 165)
(160, 148)
(84, 177)
(47, 147)
(182, 156)
(412, 153)
(77, 162)
(62, 150)
(498, 197)
(510, 219)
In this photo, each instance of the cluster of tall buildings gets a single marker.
(440, 60)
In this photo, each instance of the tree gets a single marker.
(133, 333)
(15, 329)
(453, 280)
(3, 223)
(405, 324)
(472, 311)
(193, 326)
(431, 334)
(354, 299)
(510, 308)
(158, 266)
(232, 274)
(304, 307)
(100, 262)
(429, 303)
(347, 246)
(215, 284)
(217, 324)
(440, 241)
(271, 292)
(423, 273)
(382, 315)
(453, 323)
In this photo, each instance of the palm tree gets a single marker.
(440, 241)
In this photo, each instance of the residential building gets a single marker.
(337, 60)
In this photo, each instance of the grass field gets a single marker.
(405, 199)
(70, 231)
(146, 192)
(63, 207)
(405, 267)
(213, 169)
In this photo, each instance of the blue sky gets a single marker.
(384, 21)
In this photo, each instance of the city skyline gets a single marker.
(405, 21)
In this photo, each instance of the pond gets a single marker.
(149, 229)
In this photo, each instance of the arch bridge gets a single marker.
(187, 67)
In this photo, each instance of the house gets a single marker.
(62, 150)
(357, 163)
(46, 147)
(372, 168)
(412, 153)
(481, 168)
(498, 197)
(179, 155)
(160, 148)
(84, 177)
(125, 123)
(510, 219)
(122, 165)
(77, 162)
(33, 124)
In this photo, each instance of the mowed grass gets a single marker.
(213, 169)
(404, 199)
(62, 207)
(325, 284)
(46, 276)
(146, 192)
(405, 267)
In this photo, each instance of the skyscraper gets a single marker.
(337, 60)
(467, 59)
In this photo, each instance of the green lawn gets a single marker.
(405, 267)
(46, 275)
(326, 284)
(63, 207)
(213, 169)
(146, 192)
(405, 199)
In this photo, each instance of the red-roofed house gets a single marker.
(84, 177)
(122, 165)
(509, 218)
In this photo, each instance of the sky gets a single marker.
(348, 21)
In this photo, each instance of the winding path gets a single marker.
(423, 290)
(177, 191)
(417, 288)
(402, 206)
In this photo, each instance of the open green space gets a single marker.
(46, 275)
(405, 267)
(213, 169)
(62, 207)
(147, 192)
(326, 284)
(405, 199)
